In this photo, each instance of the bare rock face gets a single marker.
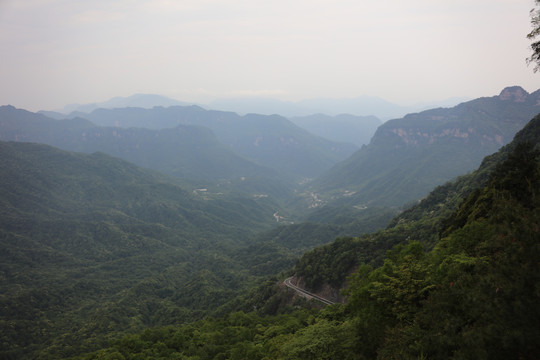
(325, 291)
(514, 93)
(328, 292)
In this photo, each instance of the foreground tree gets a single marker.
(535, 46)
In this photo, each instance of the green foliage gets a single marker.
(535, 46)
(322, 340)
(332, 263)
(94, 247)
(476, 294)
(101, 259)
(236, 336)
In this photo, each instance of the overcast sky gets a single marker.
(56, 52)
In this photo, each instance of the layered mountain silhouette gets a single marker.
(269, 140)
(95, 249)
(185, 151)
(409, 156)
(136, 100)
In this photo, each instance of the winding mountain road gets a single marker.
(306, 293)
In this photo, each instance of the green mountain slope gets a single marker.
(269, 140)
(188, 152)
(407, 157)
(471, 294)
(92, 247)
(424, 221)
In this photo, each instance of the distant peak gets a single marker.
(514, 93)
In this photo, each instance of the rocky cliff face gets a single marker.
(478, 121)
(415, 137)
(407, 157)
(514, 93)
(325, 291)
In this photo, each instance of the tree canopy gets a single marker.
(535, 46)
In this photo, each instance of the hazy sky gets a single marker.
(55, 52)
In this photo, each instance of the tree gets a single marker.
(535, 46)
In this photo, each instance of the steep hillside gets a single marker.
(188, 152)
(424, 222)
(407, 157)
(472, 294)
(92, 247)
(269, 140)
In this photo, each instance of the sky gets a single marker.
(59, 52)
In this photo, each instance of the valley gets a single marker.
(174, 232)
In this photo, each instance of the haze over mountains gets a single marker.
(353, 129)
(249, 151)
(270, 140)
(184, 151)
(117, 220)
(137, 100)
(407, 157)
(360, 106)
(417, 152)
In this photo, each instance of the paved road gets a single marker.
(288, 283)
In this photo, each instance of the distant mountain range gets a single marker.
(404, 159)
(360, 106)
(94, 249)
(269, 140)
(407, 157)
(137, 100)
(185, 151)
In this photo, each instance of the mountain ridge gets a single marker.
(94, 246)
(185, 151)
(422, 150)
(269, 140)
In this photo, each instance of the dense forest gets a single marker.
(147, 228)
(102, 259)
(473, 293)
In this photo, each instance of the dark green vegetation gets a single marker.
(467, 286)
(535, 46)
(97, 253)
(92, 247)
(423, 222)
(408, 157)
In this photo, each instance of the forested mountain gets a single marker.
(423, 222)
(184, 151)
(98, 253)
(407, 157)
(461, 281)
(269, 140)
(348, 128)
(92, 247)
